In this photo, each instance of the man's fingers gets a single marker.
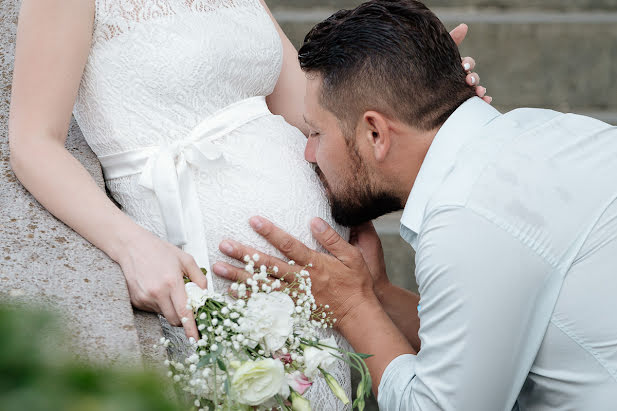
(238, 274)
(237, 251)
(179, 300)
(193, 272)
(468, 64)
(331, 240)
(459, 33)
(230, 272)
(285, 243)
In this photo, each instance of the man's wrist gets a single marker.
(369, 329)
(362, 307)
(382, 289)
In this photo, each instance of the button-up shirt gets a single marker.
(514, 221)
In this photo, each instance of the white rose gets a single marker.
(196, 295)
(320, 357)
(268, 317)
(257, 381)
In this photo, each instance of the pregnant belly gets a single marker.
(263, 172)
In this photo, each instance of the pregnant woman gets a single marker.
(177, 98)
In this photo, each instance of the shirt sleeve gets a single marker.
(478, 284)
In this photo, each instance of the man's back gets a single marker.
(516, 262)
(551, 181)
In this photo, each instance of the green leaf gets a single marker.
(363, 356)
(221, 365)
(203, 270)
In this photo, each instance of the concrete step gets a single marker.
(561, 5)
(564, 61)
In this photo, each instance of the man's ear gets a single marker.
(376, 129)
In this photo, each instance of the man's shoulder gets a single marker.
(530, 172)
(519, 152)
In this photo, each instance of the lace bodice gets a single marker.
(155, 70)
(168, 64)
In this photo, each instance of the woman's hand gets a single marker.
(473, 79)
(154, 270)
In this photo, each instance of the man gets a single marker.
(513, 218)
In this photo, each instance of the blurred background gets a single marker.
(558, 54)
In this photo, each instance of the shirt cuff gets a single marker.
(395, 386)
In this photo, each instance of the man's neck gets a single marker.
(410, 152)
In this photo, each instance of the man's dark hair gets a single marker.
(392, 56)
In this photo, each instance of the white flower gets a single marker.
(298, 381)
(320, 357)
(196, 296)
(299, 403)
(268, 317)
(257, 381)
(336, 388)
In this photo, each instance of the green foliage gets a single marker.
(36, 375)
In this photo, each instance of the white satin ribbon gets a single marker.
(165, 170)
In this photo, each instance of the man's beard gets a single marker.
(358, 203)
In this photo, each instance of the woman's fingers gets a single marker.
(480, 91)
(473, 79)
(468, 64)
(169, 312)
(193, 272)
(488, 99)
(459, 33)
(179, 300)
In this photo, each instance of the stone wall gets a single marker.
(44, 262)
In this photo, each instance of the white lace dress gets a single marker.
(157, 72)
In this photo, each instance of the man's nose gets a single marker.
(309, 150)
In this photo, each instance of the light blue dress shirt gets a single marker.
(514, 221)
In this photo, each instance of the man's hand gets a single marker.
(341, 280)
(365, 238)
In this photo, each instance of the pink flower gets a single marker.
(298, 382)
(285, 358)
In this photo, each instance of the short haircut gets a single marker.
(392, 56)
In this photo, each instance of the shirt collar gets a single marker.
(458, 129)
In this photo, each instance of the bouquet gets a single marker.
(259, 347)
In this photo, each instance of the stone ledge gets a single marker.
(45, 263)
(457, 15)
(480, 5)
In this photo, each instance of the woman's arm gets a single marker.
(287, 99)
(53, 43)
